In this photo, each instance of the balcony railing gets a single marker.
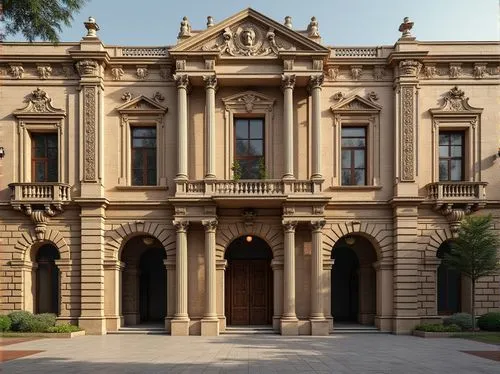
(40, 193)
(250, 187)
(457, 191)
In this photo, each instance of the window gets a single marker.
(451, 156)
(144, 156)
(353, 156)
(44, 157)
(249, 147)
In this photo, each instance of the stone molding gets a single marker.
(29, 238)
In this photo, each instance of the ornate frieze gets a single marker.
(455, 70)
(356, 72)
(89, 122)
(378, 72)
(16, 71)
(87, 68)
(142, 72)
(44, 71)
(430, 71)
(479, 70)
(117, 73)
(408, 134)
(333, 72)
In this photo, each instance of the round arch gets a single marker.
(28, 241)
(439, 237)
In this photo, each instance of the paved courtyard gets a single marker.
(376, 353)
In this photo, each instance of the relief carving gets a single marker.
(479, 71)
(455, 70)
(288, 81)
(408, 134)
(409, 68)
(16, 71)
(180, 226)
(44, 71)
(210, 81)
(182, 80)
(117, 73)
(87, 67)
(165, 72)
(210, 224)
(333, 72)
(316, 81)
(158, 97)
(378, 72)
(89, 105)
(356, 71)
(318, 225)
(127, 96)
(39, 102)
(289, 226)
(430, 71)
(142, 72)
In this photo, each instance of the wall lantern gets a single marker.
(2, 152)
(350, 240)
(249, 238)
(148, 240)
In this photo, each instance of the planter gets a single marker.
(64, 335)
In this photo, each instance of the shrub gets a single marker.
(489, 321)
(65, 327)
(428, 327)
(48, 319)
(19, 318)
(5, 323)
(464, 320)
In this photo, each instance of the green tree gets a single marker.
(39, 18)
(474, 252)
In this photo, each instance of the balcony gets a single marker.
(467, 193)
(247, 188)
(42, 193)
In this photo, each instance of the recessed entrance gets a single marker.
(448, 284)
(47, 280)
(249, 281)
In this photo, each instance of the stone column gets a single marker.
(180, 323)
(288, 83)
(221, 266)
(210, 88)
(315, 88)
(171, 287)
(182, 81)
(210, 321)
(327, 292)
(289, 321)
(385, 282)
(319, 325)
(277, 267)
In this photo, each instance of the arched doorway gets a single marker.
(448, 284)
(47, 280)
(353, 281)
(144, 281)
(249, 282)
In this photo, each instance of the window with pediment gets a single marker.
(142, 142)
(356, 141)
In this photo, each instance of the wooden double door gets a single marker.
(249, 296)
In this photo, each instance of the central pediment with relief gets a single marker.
(356, 103)
(248, 34)
(141, 105)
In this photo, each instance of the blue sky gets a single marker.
(347, 22)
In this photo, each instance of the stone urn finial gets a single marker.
(210, 22)
(288, 22)
(313, 28)
(185, 30)
(405, 28)
(92, 28)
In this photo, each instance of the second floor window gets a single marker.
(144, 156)
(44, 157)
(353, 156)
(451, 156)
(249, 147)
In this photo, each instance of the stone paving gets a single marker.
(366, 353)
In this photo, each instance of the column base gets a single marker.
(319, 327)
(209, 327)
(93, 325)
(179, 327)
(112, 323)
(330, 323)
(276, 323)
(168, 324)
(289, 327)
(405, 325)
(222, 323)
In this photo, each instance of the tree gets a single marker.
(474, 252)
(39, 18)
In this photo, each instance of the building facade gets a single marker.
(247, 175)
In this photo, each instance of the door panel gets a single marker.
(240, 293)
(258, 295)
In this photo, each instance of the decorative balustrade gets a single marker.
(456, 191)
(250, 187)
(145, 52)
(40, 193)
(355, 52)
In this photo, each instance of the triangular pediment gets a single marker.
(249, 100)
(248, 34)
(39, 104)
(356, 103)
(142, 104)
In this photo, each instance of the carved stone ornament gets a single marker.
(409, 68)
(185, 29)
(87, 67)
(372, 96)
(455, 101)
(249, 100)
(318, 225)
(248, 39)
(89, 120)
(68, 70)
(39, 102)
(40, 215)
(210, 224)
(288, 81)
(288, 22)
(180, 225)
(92, 28)
(289, 226)
(313, 28)
(333, 72)
(127, 96)
(408, 134)
(182, 80)
(210, 81)
(318, 210)
(356, 71)
(317, 64)
(180, 65)
(455, 70)
(117, 73)
(158, 97)
(316, 81)
(16, 71)
(180, 211)
(288, 211)
(44, 71)
(430, 71)
(288, 64)
(479, 71)
(455, 215)
(210, 22)
(165, 72)
(249, 217)
(209, 64)
(378, 72)
(405, 28)
(337, 96)
(142, 72)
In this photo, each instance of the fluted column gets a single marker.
(210, 88)
(210, 321)
(182, 81)
(316, 270)
(180, 323)
(288, 83)
(289, 322)
(315, 88)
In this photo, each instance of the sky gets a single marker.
(346, 22)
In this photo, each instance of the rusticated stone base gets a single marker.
(319, 327)
(289, 327)
(209, 327)
(179, 327)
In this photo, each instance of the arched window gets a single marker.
(47, 280)
(448, 285)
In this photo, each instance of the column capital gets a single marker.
(180, 225)
(289, 225)
(181, 80)
(318, 225)
(210, 224)
(287, 81)
(316, 81)
(210, 81)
